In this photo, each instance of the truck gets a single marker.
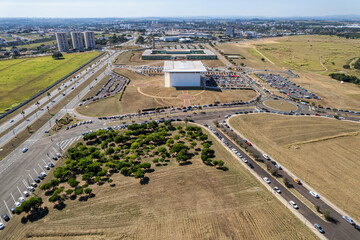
(248, 143)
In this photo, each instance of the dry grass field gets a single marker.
(323, 152)
(313, 57)
(180, 202)
(280, 105)
(145, 92)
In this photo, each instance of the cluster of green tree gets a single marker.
(106, 152)
(30, 205)
(345, 78)
(349, 35)
(140, 40)
(57, 55)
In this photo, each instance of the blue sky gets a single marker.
(176, 8)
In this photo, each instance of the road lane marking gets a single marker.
(13, 197)
(8, 209)
(20, 191)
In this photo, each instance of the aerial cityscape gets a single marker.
(180, 119)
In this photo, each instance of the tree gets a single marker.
(186, 120)
(37, 104)
(57, 55)
(203, 137)
(23, 114)
(72, 182)
(140, 40)
(88, 191)
(32, 204)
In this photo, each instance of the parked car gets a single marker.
(21, 199)
(17, 204)
(50, 164)
(349, 220)
(5, 217)
(26, 193)
(293, 204)
(266, 180)
(2, 226)
(319, 228)
(24, 150)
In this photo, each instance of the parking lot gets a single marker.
(226, 81)
(113, 86)
(287, 87)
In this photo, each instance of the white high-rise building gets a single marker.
(62, 41)
(89, 40)
(77, 41)
(230, 31)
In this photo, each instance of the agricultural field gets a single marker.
(322, 152)
(148, 92)
(189, 200)
(22, 78)
(313, 58)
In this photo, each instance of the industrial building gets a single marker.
(62, 42)
(89, 40)
(183, 54)
(77, 41)
(183, 73)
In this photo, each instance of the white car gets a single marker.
(21, 199)
(266, 156)
(349, 220)
(26, 193)
(315, 195)
(293, 204)
(266, 180)
(17, 204)
(244, 159)
(277, 190)
(2, 226)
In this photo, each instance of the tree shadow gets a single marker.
(185, 163)
(150, 170)
(144, 180)
(38, 214)
(112, 185)
(92, 195)
(60, 206)
(83, 198)
(73, 197)
(49, 193)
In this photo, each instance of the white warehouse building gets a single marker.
(183, 73)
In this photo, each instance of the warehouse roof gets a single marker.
(184, 66)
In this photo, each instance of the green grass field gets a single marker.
(22, 78)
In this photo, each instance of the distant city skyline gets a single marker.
(177, 8)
